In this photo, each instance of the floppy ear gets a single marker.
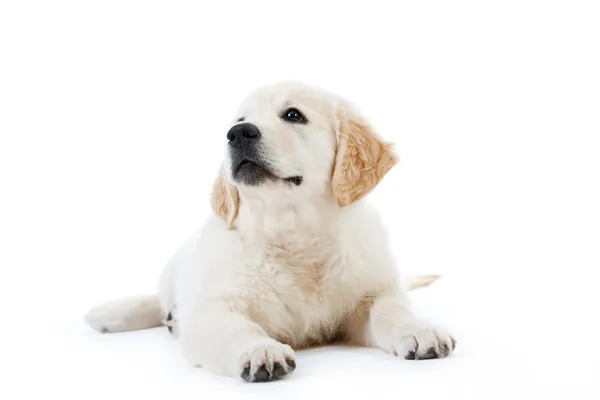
(362, 159)
(225, 201)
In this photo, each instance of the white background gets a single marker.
(112, 119)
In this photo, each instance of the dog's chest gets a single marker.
(300, 283)
(299, 267)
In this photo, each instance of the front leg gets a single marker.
(393, 327)
(229, 343)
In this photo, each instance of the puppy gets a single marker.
(293, 256)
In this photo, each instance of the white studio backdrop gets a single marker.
(113, 116)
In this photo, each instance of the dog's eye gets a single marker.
(293, 115)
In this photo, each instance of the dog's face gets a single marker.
(282, 137)
(292, 142)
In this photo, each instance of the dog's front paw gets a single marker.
(266, 360)
(422, 342)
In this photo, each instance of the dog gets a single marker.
(292, 255)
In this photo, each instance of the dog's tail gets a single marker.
(413, 282)
(129, 314)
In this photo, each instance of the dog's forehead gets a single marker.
(279, 96)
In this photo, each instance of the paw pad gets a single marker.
(263, 374)
(267, 361)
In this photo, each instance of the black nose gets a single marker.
(243, 132)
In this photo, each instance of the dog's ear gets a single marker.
(225, 200)
(362, 158)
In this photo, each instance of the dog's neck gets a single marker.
(276, 218)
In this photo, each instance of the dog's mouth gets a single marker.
(252, 173)
(296, 180)
(245, 164)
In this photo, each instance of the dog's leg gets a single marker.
(231, 344)
(393, 327)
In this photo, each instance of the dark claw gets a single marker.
(246, 373)
(291, 363)
(429, 355)
(453, 343)
(170, 328)
(262, 375)
(278, 371)
(410, 355)
(169, 316)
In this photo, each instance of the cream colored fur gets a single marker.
(280, 267)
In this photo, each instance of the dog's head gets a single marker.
(292, 142)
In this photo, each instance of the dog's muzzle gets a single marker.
(247, 166)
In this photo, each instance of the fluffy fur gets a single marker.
(280, 267)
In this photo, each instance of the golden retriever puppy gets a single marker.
(293, 255)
